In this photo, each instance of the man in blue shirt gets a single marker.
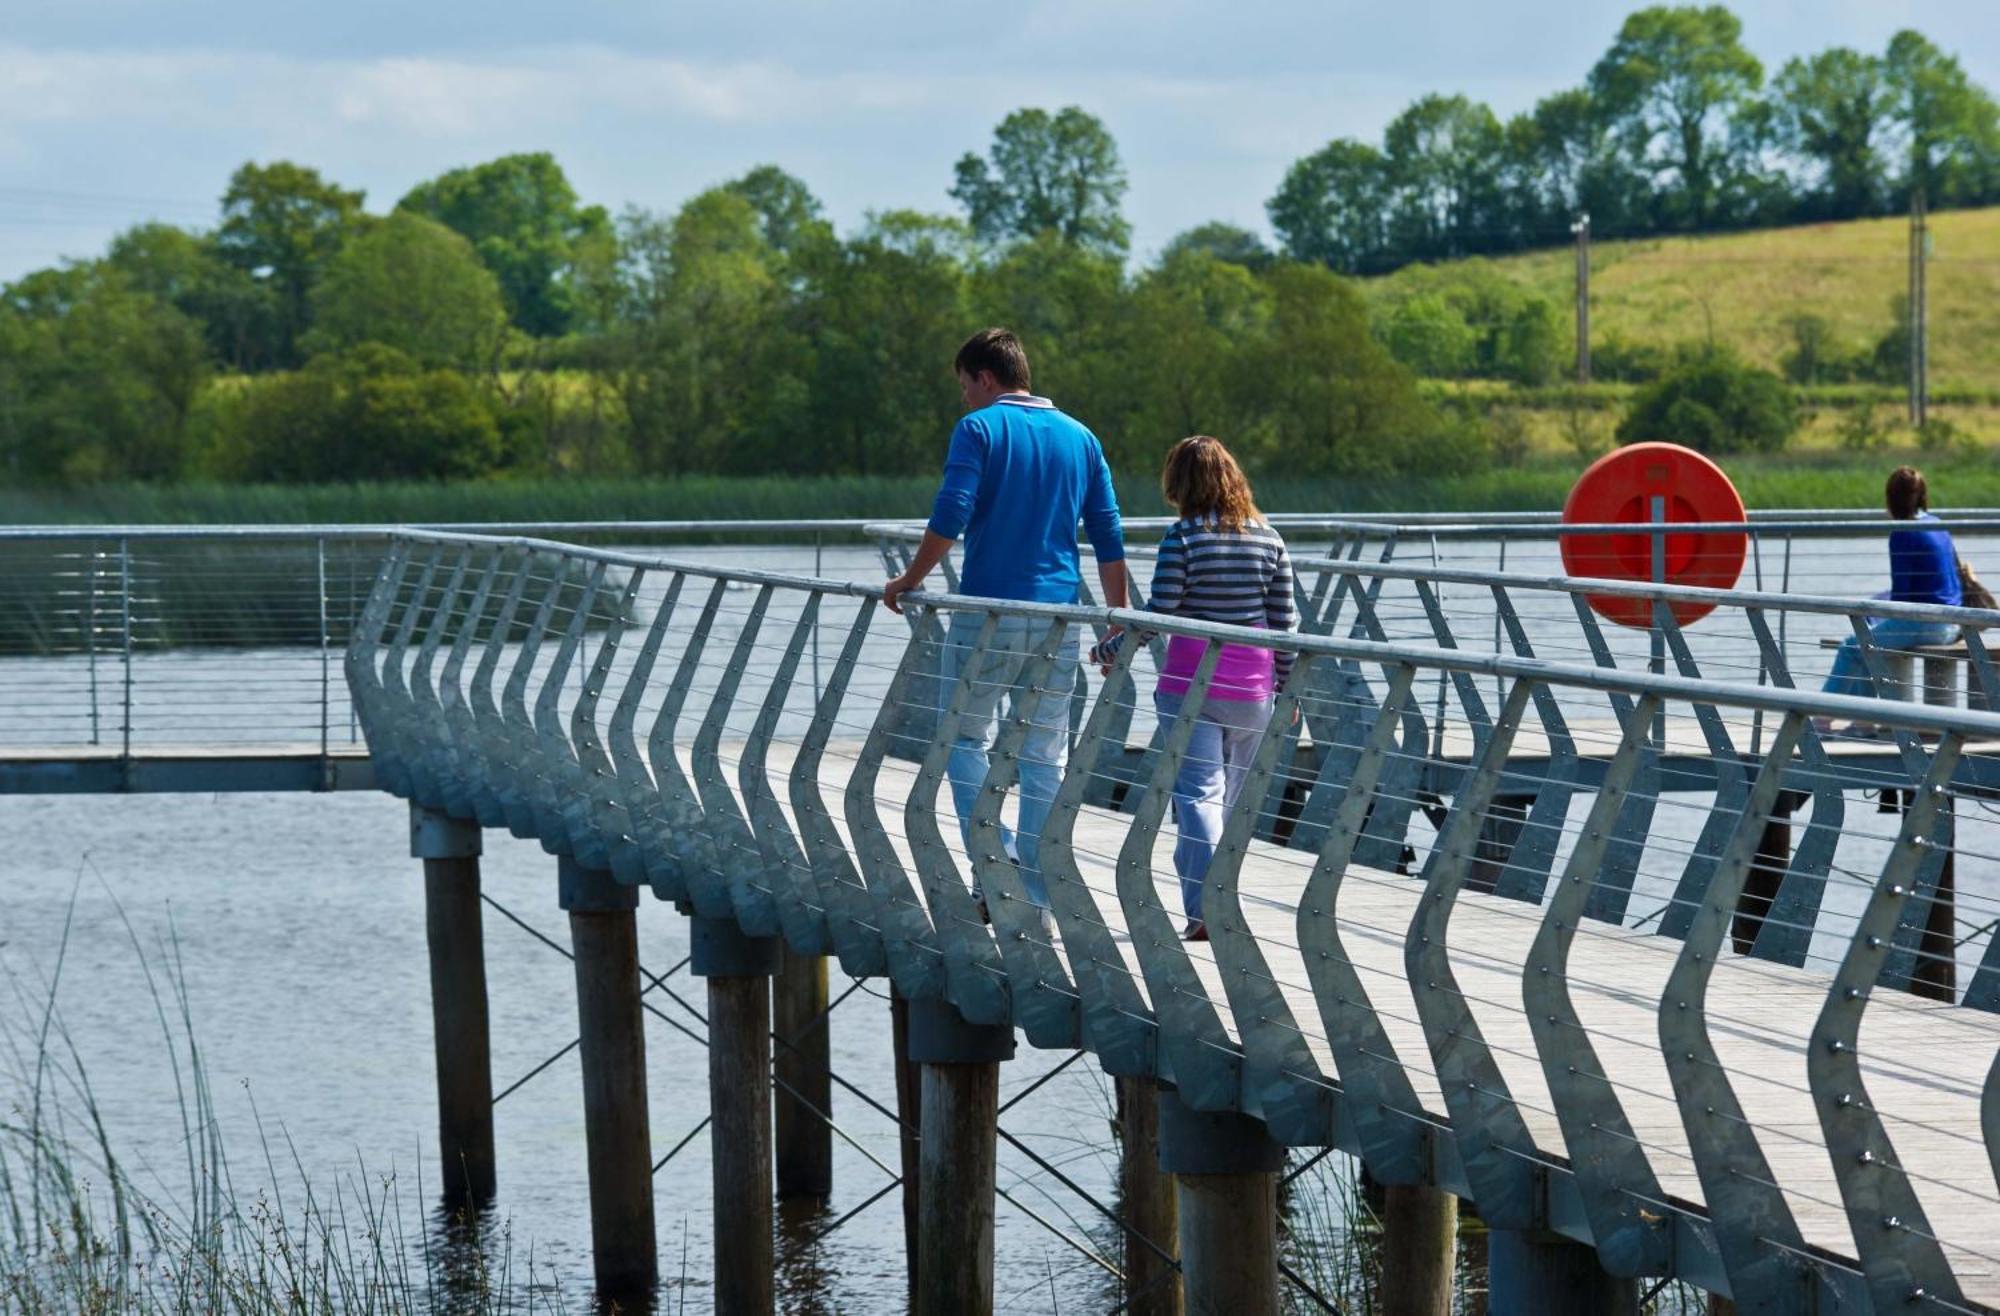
(1018, 477)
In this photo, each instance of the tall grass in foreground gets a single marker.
(85, 1233)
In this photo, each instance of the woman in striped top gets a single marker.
(1220, 562)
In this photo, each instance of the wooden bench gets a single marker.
(1942, 663)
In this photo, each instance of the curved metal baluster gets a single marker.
(1469, 700)
(737, 862)
(1117, 1021)
(1908, 936)
(1989, 1116)
(1898, 1249)
(1340, 686)
(1732, 788)
(1613, 1177)
(1499, 1154)
(517, 747)
(1983, 991)
(1044, 999)
(916, 961)
(1195, 1050)
(975, 980)
(459, 771)
(1786, 931)
(594, 812)
(393, 768)
(850, 914)
(427, 769)
(557, 774)
(488, 744)
(1282, 1081)
(1525, 874)
(1612, 893)
(689, 849)
(1385, 832)
(1376, 1096)
(651, 843)
(1762, 1249)
(801, 907)
(364, 648)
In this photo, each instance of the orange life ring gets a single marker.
(1619, 488)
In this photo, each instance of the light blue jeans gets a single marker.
(1850, 675)
(1226, 734)
(997, 675)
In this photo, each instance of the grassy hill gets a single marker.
(1745, 289)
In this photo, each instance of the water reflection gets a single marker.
(807, 1270)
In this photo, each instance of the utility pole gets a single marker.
(1919, 313)
(1582, 230)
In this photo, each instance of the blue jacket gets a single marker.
(1018, 477)
(1923, 565)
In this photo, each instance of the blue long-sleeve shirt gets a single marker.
(1923, 565)
(1018, 477)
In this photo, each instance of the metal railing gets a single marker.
(1428, 905)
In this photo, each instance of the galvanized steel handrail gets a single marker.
(1143, 1004)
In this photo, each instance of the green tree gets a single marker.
(1069, 304)
(790, 217)
(1947, 127)
(369, 412)
(710, 374)
(1224, 242)
(1329, 209)
(1335, 400)
(1829, 110)
(523, 218)
(239, 315)
(884, 318)
(97, 378)
(1430, 335)
(1047, 173)
(412, 285)
(1672, 81)
(1713, 402)
(281, 224)
(1443, 157)
(1195, 323)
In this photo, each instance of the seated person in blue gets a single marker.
(1923, 568)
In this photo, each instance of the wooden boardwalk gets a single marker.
(1925, 1062)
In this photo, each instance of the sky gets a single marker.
(113, 112)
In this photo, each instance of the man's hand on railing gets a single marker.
(893, 592)
(929, 553)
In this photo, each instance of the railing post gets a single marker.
(325, 664)
(909, 1119)
(738, 968)
(1146, 1194)
(603, 932)
(803, 1066)
(449, 848)
(961, 1103)
(1225, 1169)
(1419, 1250)
(90, 635)
(125, 632)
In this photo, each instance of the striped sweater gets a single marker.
(1241, 577)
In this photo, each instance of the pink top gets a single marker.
(1242, 671)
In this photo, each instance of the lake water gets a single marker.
(296, 925)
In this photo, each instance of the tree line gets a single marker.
(1675, 129)
(493, 323)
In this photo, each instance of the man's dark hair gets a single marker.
(997, 350)
(1906, 493)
